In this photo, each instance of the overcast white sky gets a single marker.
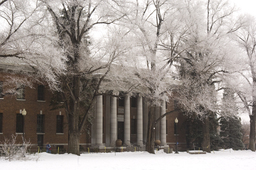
(246, 6)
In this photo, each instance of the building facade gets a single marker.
(114, 117)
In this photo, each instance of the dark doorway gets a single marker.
(40, 141)
(120, 134)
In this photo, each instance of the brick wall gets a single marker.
(10, 106)
(181, 128)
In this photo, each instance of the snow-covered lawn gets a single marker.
(220, 160)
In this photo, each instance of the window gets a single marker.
(19, 123)
(133, 126)
(40, 141)
(40, 124)
(58, 97)
(133, 102)
(59, 128)
(1, 90)
(176, 104)
(121, 102)
(40, 92)
(1, 122)
(21, 92)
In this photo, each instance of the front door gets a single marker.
(40, 141)
(120, 134)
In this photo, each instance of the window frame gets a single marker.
(40, 123)
(20, 93)
(41, 93)
(59, 124)
(175, 104)
(40, 141)
(19, 123)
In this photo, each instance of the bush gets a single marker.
(12, 151)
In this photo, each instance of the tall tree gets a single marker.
(246, 37)
(14, 17)
(73, 21)
(202, 65)
(22, 40)
(166, 35)
(147, 22)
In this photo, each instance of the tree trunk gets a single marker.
(73, 134)
(150, 145)
(206, 144)
(73, 118)
(252, 133)
(73, 138)
(253, 117)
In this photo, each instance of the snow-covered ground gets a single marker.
(220, 160)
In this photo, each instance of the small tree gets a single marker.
(196, 135)
(231, 133)
(12, 150)
(230, 124)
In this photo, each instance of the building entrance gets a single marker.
(120, 133)
(40, 141)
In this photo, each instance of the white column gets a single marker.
(99, 121)
(113, 120)
(93, 127)
(108, 123)
(163, 124)
(139, 121)
(127, 119)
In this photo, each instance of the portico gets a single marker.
(123, 117)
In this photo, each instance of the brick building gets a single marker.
(123, 117)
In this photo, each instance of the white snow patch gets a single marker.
(224, 159)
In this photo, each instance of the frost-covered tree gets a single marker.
(87, 63)
(23, 36)
(203, 62)
(149, 27)
(230, 123)
(246, 38)
(14, 15)
(191, 36)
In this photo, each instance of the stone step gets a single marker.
(196, 152)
